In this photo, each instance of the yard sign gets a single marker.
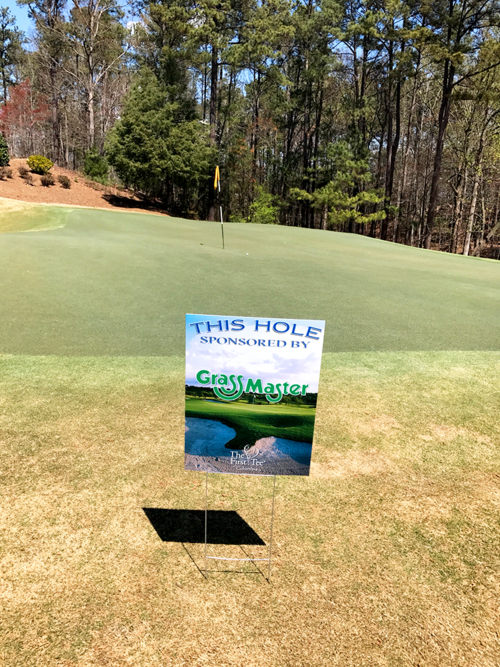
(251, 393)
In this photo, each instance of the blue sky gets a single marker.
(21, 14)
(271, 364)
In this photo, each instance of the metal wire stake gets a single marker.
(268, 559)
(222, 227)
(206, 518)
(221, 220)
(271, 537)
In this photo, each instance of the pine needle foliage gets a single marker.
(348, 196)
(158, 148)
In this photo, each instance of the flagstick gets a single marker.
(221, 221)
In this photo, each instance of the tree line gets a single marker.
(371, 117)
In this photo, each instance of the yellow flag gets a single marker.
(217, 177)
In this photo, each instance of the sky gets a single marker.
(299, 364)
(21, 14)
(27, 26)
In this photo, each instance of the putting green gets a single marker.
(252, 422)
(120, 283)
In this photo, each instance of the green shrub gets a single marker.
(4, 152)
(47, 180)
(237, 217)
(40, 164)
(95, 166)
(23, 171)
(64, 181)
(264, 210)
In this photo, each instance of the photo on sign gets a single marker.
(251, 394)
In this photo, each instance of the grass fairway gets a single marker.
(388, 555)
(252, 422)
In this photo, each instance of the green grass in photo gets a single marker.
(253, 422)
(119, 284)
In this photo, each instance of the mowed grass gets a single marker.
(121, 284)
(252, 422)
(388, 554)
(18, 216)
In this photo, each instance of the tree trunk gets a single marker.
(406, 152)
(55, 115)
(444, 116)
(214, 76)
(361, 101)
(391, 165)
(457, 213)
(472, 213)
(66, 147)
(483, 225)
(91, 94)
(475, 189)
(256, 132)
(213, 123)
(104, 111)
(324, 218)
(387, 199)
(4, 85)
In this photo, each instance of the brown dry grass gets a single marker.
(387, 555)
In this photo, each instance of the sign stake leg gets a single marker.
(206, 518)
(271, 536)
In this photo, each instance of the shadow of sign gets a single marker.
(223, 527)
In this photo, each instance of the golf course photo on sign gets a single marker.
(251, 394)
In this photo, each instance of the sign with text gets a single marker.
(251, 393)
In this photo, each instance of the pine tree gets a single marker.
(155, 149)
(347, 196)
(48, 16)
(11, 49)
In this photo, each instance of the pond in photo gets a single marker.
(206, 451)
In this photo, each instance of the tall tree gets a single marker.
(456, 31)
(97, 40)
(11, 50)
(23, 117)
(157, 150)
(48, 16)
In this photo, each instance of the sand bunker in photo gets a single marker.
(206, 452)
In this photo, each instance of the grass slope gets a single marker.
(120, 284)
(17, 216)
(252, 422)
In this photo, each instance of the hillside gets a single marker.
(83, 192)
